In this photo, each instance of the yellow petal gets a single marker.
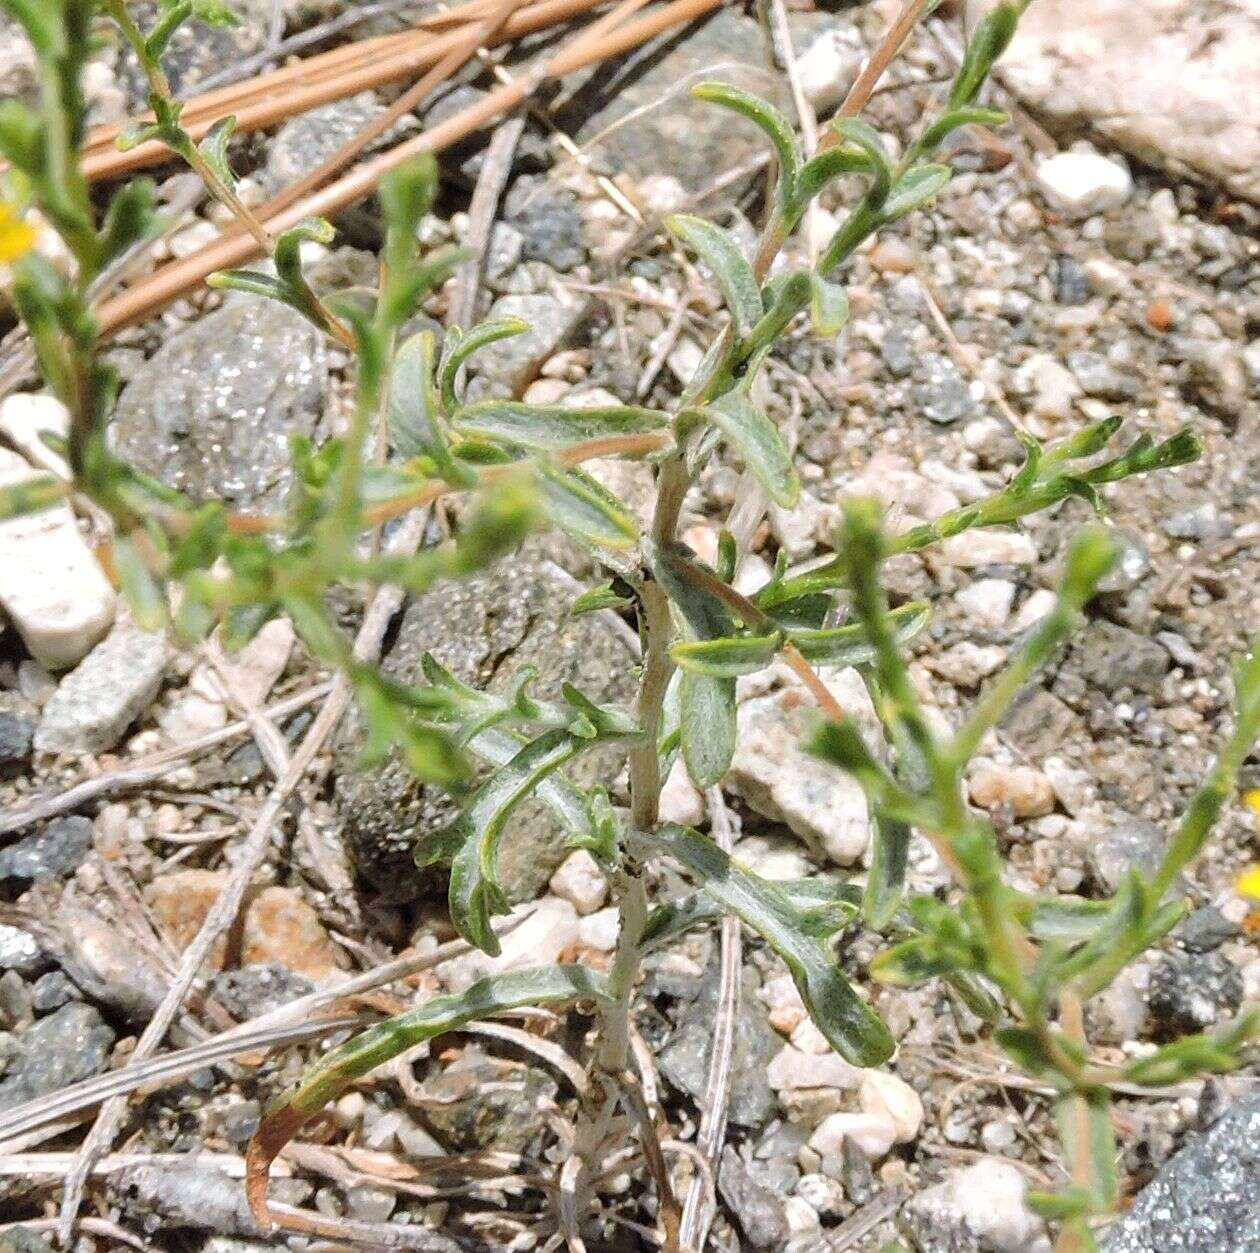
(16, 237)
(1249, 883)
(1251, 799)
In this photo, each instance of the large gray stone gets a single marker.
(213, 412)
(483, 629)
(1110, 64)
(1204, 1200)
(638, 118)
(67, 1046)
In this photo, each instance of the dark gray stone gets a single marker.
(214, 410)
(1206, 929)
(510, 365)
(52, 991)
(67, 1046)
(240, 1121)
(1112, 657)
(483, 629)
(759, 1212)
(942, 396)
(307, 140)
(1204, 1200)
(1068, 277)
(684, 1061)
(895, 349)
(483, 1102)
(48, 854)
(635, 115)
(1191, 992)
(1037, 722)
(258, 989)
(547, 218)
(18, 719)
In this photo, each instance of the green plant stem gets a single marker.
(614, 1048)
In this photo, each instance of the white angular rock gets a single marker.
(1053, 386)
(987, 601)
(1081, 184)
(980, 1207)
(775, 775)
(24, 419)
(552, 925)
(97, 701)
(51, 586)
(966, 663)
(1038, 604)
(681, 801)
(828, 67)
(973, 549)
(599, 930)
(581, 882)
(1109, 63)
(792, 1069)
(888, 1096)
(874, 1134)
(254, 670)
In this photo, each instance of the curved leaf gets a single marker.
(985, 46)
(967, 116)
(413, 419)
(764, 115)
(214, 147)
(584, 508)
(829, 164)
(543, 428)
(758, 442)
(721, 254)
(916, 187)
(459, 346)
(336, 1071)
(726, 658)
(849, 646)
(828, 306)
(848, 1023)
(861, 134)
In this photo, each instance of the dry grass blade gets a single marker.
(551, 1053)
(180, 277)
(151, 769)
(250, 856)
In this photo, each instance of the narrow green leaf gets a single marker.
(848, 1023)
(758, 442)
(459, 346)
(831, 163)
(140, 586)
(941, 129)
(849, 645)
(585, 509)
(989, 41)
(597, 598)
(885, 884)
(914, 189)
(338, 1069)
(726, 658)
(719, 251)
(861, 134)
(31, 496)
(214, 147)
(828, 306)
(1088, 1137)
(543, 428)
(772, 123)
(414, 425)
(708, 726)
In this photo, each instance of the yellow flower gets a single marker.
(1249, 883)
(16, 236)
(1251, 799)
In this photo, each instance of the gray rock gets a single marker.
(1112, 657)
(1129, 845)
(213, 412)
(759, 1212)
(979, 1209)
(896, 350)
(67, 1046)
(258, 989)
(196, 1197)
(1037, 722)
(509, 365)
(23, 1240)
(1115, 77)
(1198, 523)
(1068, 276)
(109, 689)
(196, 50)
(1216, 378)
(547, 218)
(635, 115)
(56, 850)
(483, 629)
(1098, 377)
(484, 1102)
(684, 1061)
(1133, 563)
(943, 396)
(1206, 929)
(305, 141)
(52, 991)
(20, 951)
(1190, 992)
(240, 1121)
(17, 729)
(1204, 1199)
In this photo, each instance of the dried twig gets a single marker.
(249, 857)
(700, 1205)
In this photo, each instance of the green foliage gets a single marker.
(1024, 964)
